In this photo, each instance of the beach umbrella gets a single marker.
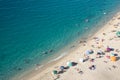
(108, 49)
(118, 33)
(99, 52)
(108, 57)
(69, 64)
(62, 68)
(87, 52)
(81, 60)
(112, 54)
(113, 58)
(91, 51)
(54, 72)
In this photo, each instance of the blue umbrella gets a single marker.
(62, 68)
(87, 52)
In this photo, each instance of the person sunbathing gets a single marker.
(92, 67)
(91, 60)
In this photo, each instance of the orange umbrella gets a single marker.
(113, 58)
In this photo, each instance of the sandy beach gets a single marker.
(104, 68)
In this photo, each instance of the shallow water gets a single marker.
(34, 30)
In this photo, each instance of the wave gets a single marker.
(61, 56)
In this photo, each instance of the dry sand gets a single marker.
(104, 67)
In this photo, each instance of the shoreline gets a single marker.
(40, 73)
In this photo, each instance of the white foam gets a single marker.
(38, 67)
(62, 55)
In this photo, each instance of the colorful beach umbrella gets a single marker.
(62, 68)
(100, 52)
(108, 49)
(81, 60)
(113, 58)
(69, 64)
(112, 54)
(87, 52)
(108, 57)
(118, 33)
(54, 71)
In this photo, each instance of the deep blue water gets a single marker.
(28, 28)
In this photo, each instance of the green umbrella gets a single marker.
(54, 72)
(69, 64)
(118, 33)
(112, 54)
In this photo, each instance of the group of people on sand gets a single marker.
(99, 53)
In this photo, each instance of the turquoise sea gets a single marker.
(32, 31)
